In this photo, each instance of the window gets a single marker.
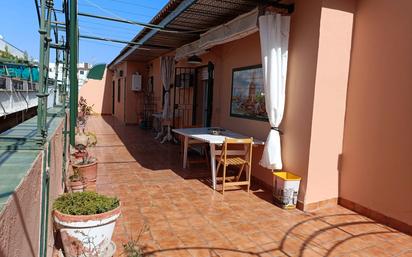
(81, 72)
(118, 90)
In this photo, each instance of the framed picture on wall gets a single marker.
(248, 98)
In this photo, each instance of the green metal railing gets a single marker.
(67, 48)
(45, 9)
(73, 41)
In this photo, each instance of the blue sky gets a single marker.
(19, 25)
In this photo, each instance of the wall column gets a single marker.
(329, 102)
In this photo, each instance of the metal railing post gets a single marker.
(43, 70)
(73, 44)
(56, 77)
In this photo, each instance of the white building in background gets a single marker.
(10, 48)
(82, 71)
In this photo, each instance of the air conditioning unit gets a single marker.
(137, 82)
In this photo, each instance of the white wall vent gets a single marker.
(137, 82)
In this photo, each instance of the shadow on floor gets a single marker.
(154, 156)
(328, 232)
(307, 245)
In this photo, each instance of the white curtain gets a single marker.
(167, 70)
(274, 36)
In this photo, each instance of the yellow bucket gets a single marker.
(285, 189)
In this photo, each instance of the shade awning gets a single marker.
(235, 29)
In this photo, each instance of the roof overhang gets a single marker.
(191, 18)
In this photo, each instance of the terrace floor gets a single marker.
(183, 216)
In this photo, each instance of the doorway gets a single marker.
(113, 95)
(184, 97)
(203, 102)
(193, 96)
(204, 97)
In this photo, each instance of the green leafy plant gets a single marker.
(85, 203)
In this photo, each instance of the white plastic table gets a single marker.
(204, 135)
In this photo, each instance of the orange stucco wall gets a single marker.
(20, 218)
(98, 93)
(134, 99)
(332, 71)
(154, 70)
(377, 163)
(130, 104)
(297, 121)
(119, 96)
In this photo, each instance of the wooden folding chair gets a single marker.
(238, 158)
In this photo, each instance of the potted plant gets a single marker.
(81, 138)
(84, 110)
(86, 166)
(83, 113)
(86, 221)
(76, 182)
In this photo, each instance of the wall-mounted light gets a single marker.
(194, 59)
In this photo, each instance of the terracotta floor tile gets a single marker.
(292, 246)
(162, 234)
(192, 239)
(351, 245)
(406, 253)
(242, 242)
(213, 235)
(203, 252)
(185, 217)
(260, 238)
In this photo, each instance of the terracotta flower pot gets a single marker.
(87, 171)
(87, 235)
(77, 186)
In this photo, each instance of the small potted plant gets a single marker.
(82, 141)
(86, 221)
(76, 182)
(83, 113)
(86, 166)
(84, 110)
